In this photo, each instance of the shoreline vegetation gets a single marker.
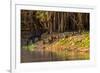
(72, 47)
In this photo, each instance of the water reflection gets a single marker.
(40, 56)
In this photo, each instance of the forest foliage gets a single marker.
(56, 21)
